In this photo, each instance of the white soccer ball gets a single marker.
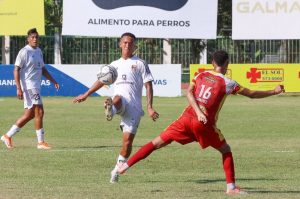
(107, 74)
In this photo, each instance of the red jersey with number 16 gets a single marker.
(210, 92)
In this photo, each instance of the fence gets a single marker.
(82, 50)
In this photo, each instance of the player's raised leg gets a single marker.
(142, 153)
(113, 106)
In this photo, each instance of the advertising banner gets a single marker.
(76, 79)
(147, 19)
(260, 76)
(18, 16)
(265, 19)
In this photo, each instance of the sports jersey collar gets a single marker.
(30, 47)
(216, 73)
(129, 58)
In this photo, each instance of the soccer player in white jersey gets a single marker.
(133, 74)
(28, 71)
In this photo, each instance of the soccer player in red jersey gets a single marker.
(205, 95)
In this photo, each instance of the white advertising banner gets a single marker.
(193, 19)
(166, 83)
(265, 19)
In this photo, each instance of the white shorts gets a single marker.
(32, 97)
(130, 117)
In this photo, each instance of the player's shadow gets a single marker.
(102, 147)
(250, 190)
(207, 181)
(97, 147)
(260, 191)
(89, 148)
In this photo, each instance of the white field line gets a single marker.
(283, 151)
(69, 150)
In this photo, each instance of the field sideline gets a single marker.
(263, 134)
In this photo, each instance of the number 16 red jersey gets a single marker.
(210, 92)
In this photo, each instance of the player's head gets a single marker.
(33, 37)
(221, 60)
(127, 44)
(128, 34)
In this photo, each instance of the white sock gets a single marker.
(13, 130)
(40, 135)
(125, 166)
(230, 186)
(120, 159)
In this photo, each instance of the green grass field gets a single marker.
(264, 136)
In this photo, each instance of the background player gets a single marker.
(133, 73)
(205, 95)
(29, 68)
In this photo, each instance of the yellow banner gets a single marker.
(259, 76)
(18, 16)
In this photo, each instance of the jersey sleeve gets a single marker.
(21, 58)
(146, 73)
(234, 87)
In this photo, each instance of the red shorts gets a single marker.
(187, 129)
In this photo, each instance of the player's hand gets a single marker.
(202, 118)
(279, 89)
(56, 85)
(19, 94)
(79, 98)
(153, 114)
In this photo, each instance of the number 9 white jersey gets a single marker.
(132, 74)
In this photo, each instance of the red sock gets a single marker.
(142, 153)
(228, 166)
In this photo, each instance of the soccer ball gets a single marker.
(107, 74)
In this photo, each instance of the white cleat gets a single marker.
(236, 190)
(114, 176)
(108, 109)
(7, 141)
(123, 168)
(43, 145)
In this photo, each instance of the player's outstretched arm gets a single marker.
(261, 94)
(82, 97)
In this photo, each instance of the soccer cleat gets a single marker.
(43, 145)
(114, 176)
(122, 168)
(7, 141)
(236, 190)
(108, 109)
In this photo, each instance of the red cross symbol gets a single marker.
(254, 75)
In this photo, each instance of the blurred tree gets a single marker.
(224, 18)
(53, 16)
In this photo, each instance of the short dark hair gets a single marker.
(31, 31)
(221, 57)
(129, 35)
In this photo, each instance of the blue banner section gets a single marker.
(68, 85)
